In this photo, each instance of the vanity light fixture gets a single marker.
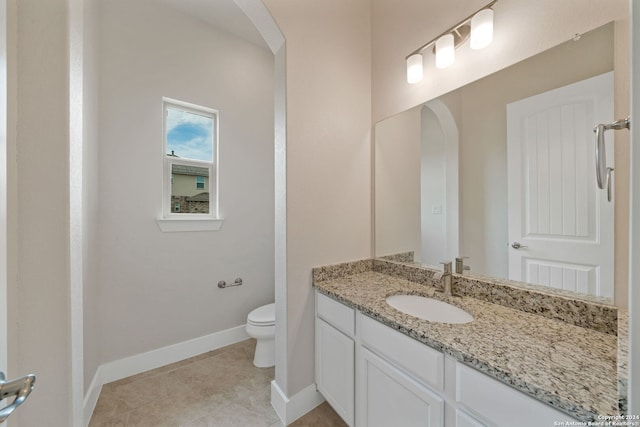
(445, 51)
(414, 68)
(478, 27)
(481, 29)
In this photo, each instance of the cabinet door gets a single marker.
(335, 366)
(389, 397)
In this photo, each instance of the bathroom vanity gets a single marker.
(377, 366)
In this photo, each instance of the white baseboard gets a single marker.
(91, 398)
(290, 409)
(128, 366)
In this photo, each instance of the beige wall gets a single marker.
(328, 155)
(42, 301)
(634, 267)
(622, 156)
(397, 184)
(91, 291)
(10, 355)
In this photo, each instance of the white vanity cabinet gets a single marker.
(395, 380)
(335, 355)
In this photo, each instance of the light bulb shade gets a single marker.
(445, 51)
(481, 29)
(414, 68)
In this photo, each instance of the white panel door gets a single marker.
(561, 221)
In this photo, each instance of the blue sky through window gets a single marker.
(189, 135)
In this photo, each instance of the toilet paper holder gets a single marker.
(222, 284)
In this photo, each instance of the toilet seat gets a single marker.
(263, 316)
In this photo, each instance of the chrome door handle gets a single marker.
(516, 245)
(20, 388)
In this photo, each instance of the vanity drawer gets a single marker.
(501, 404)
(336, 314)
(420, 360)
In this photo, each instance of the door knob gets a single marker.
(20, 388)
(516, 245)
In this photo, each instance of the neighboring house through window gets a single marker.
(190, 144)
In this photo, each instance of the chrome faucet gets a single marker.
(444, 277)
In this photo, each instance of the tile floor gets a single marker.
(219, 388)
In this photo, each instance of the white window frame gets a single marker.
(180, 221)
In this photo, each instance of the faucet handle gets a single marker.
(460, 267)
(447, 266)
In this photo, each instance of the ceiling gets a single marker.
(221, 14)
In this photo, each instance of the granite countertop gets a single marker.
(572, 368)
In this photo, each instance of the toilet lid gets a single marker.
(265, 315)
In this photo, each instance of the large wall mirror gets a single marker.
(502, 171)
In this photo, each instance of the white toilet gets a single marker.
(261, 325)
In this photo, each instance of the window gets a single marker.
(190, 147)
(200, 182)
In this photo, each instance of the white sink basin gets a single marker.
(429, 309)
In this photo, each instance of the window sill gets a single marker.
(170, 225)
